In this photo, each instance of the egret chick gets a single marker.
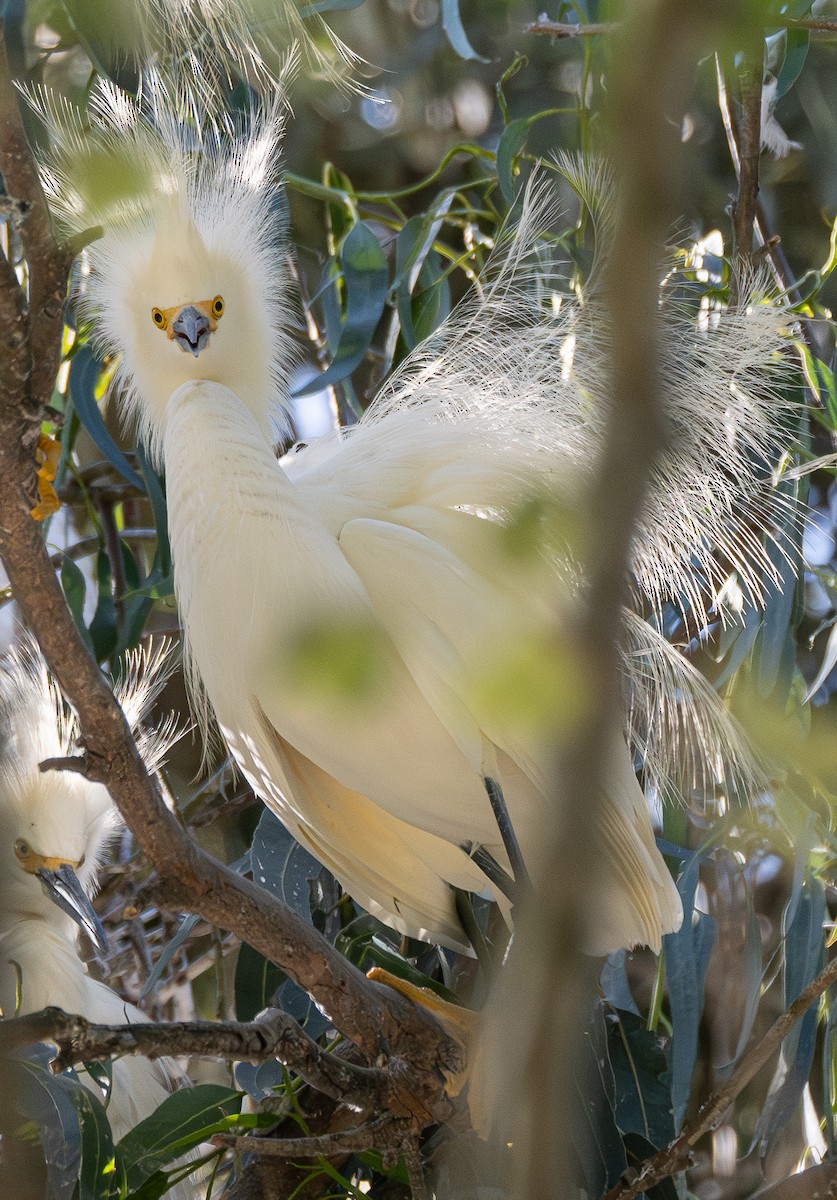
(54, 828)
(391, 531)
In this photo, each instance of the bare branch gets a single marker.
(274, 1034)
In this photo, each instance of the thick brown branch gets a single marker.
(274, 1034)
(671, 1159)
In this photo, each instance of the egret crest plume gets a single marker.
(394, 528)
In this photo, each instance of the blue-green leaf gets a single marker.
(511, 143)
(804, 955)
(455, 31)
(42, 1099)
(796, 52)
(84, 374)
(100, 1176)
(686, 958)
(321, 6)
(366, 282)
(74, 586)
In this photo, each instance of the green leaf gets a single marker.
(256, 983)
(84, 374)
(103, 625)
(183, 1121)
(640, 1070)
(796, 52)
(687, 957)
(366, 282)
(321, 6)
(99, 1177)
(455, 31)
(511, 143)
(42, 1099)
(74, 586)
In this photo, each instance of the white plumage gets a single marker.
(394, 529)
(59, 816)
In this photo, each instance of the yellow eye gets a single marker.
(22, 848)
(218, 306)
(159, 318)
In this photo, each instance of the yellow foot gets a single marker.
(47, 455)
(460, 1023)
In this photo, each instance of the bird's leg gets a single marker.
(522, 882)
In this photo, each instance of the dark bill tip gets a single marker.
(63, 888)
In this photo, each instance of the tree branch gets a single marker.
(671, 1159)
(274, 1034)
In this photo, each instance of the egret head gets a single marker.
(54, 824)
(189, 280)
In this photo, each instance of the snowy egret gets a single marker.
(54, 827)
(391, 532)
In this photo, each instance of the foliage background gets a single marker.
(393, 208)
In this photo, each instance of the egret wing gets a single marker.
(425, 596)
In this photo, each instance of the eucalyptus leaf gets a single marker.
(183, 1121)
(366, 283)
(85, 369)
(455, 32)
(687, 954)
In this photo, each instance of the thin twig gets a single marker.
(670, 1159)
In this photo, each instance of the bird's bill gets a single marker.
(190, 326)
(61, 884)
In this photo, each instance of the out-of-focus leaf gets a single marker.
(510, 144)
(776, 659)
(74, 586)
(600, 1145)
(640, 1070)
(614, 983)
(157, 496)
(455, 31)
(84, 373)
(797, 42)
(829, 658)
(183, 1121)
(803, 959)
(686, 957)
(413, 264)
(638, 1150)
(321, 6)
(366, 282)
(99, 1178)
(103, 625)
(256, 983)
(42, 1099)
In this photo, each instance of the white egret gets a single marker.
(54, 827)
(392, 530)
